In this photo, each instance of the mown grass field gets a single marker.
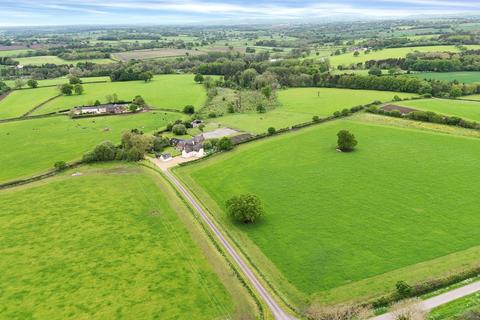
(343, 226)
(299, 105)
(33, 146)
(462, 77)
(164, 91)
(348, 58)
(463, 109)
(457, 308)
(40, 60)
(10, 53)
(472, 97)
(107, 244)
(19, 102)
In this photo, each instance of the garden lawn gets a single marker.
(472, 97)
(41, 60)
(299, 105)
(104, 245)
(164, 91)
(342, 226)
(463, 109)
(462, 77)
(348, 58)
(19, 102)
(33, 146)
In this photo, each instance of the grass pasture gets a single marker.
(459, 108)
(473, 97)
(121, 252)
(57, 81)
(155, 53)
(10, 53)
(19, 102)
(348, 58)
(461, 76)
(33, 146)
(164, 91)
(299, 105)
(342, 226)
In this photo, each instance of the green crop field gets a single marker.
(108, 244)
(348, 58)
(453, 310)
(301, 104)
(462, 77)
(463, 109)
(343, 226)
(40, 60)
(19, 102)
(164, 91)
(33, 146)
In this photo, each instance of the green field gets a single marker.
(301, 104)
(19, 102)
(56, 81)
(348, 58)
(108, 244)
(40, 60)
(164, 91)
(9, 53)
(349, 226)
(454, 309)
(473, 97)
(463, 109)
(33, 146)
(462, 77)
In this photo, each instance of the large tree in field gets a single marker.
(245, 208)
(346, 141)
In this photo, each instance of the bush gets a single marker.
(245, 208)
(103, 152)
(261, 108)
(346, 141)
(198, 78)
(397, 98)
(32, 83)
(179, 129)
(225, 144)
(337, 114)
(60, 165)
(133, 154)
(404, 290)
(271, 130)
(189, 109)
(212, 115)
(345, 112)
(315, 119)
(207, 145)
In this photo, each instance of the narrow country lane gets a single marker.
(275, 309)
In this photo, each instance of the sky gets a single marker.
(75, 12)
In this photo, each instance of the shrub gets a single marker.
(102, 152)
(397, 98)
(66, 89)
(346, 141)
(225, 144)
(403, 289)
(245, 208)
(179, 129)
(60, 165)
(207, 145)
(134, 154)
(261, 108)
(345, 112)
(372, 109)
(32, 83)
(271, 130)
(198, 78)
(189, 109)
(337, 114)
(212, 115)
(315, 119)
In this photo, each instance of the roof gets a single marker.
(166, 155)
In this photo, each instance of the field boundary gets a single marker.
(214, 242)
(40, 105)
(47, 115)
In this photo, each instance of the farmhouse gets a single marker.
(101, 109)
(190, 148)
(165, 157)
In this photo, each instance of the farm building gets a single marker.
(190, 148)
(101, 109)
